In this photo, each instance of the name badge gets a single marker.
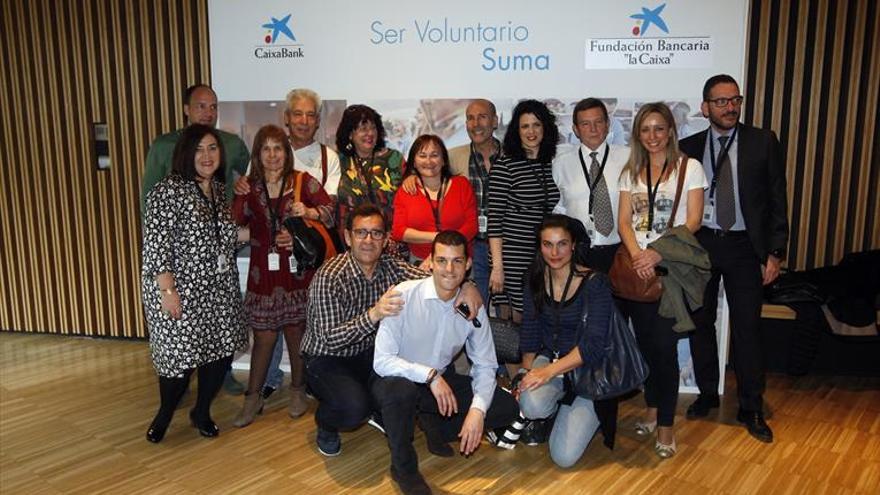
(274, 262)
(644, 237)
(709, 211)
(294, 266)
(483, 223)
(222, 263)
(591, 230)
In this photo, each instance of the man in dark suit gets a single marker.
(745, 231)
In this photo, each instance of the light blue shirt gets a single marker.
(740, 224)
(428, 334)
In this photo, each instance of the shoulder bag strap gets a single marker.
(323, 165)
(682, 170)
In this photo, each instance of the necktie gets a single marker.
(602, 214)
(725, 208)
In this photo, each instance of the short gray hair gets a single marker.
(303, 93)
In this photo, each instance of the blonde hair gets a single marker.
(638, 156)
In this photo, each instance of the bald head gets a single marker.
(481, 121)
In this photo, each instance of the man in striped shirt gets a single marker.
(350, 294)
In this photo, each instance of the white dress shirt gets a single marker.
(428, 334)
(308, 159)
(574, 194)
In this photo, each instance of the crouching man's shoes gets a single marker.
(754, 422)
(410, 483)
(700, 408)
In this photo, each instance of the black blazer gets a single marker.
(761, 182)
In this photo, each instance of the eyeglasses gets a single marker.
(723, 102)
(361, 234)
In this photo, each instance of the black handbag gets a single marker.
(622, 369)
(505, 334)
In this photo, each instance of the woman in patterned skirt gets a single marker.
(277, 292)
(521, 193)
(189, 281)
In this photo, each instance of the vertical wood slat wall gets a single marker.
(69, 234)
(814, 78)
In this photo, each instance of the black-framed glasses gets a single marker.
(361, 234)
(723, 102)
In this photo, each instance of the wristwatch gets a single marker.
(431, 376)
(778, 252)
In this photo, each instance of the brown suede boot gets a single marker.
(253, 405)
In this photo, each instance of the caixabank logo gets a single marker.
(278, 39)
(653, 43)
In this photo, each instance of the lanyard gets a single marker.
(274, 215)
(653, 193)
(435, 211)
(214, 210)
(556, 305)
(598, 175)
(724, 152)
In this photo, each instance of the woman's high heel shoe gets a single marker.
(157, 430)
(644, 428)
(207, 427)
(665, 451)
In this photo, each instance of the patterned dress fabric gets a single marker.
(180, 237)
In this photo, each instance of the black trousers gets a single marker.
(733, 258)
(400, 400)
(600, 258)
(341, 385)
(658, 343)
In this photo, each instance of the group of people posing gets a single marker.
(431, 241)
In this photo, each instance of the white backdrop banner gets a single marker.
(643, 49)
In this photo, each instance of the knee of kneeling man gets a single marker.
(563, 459)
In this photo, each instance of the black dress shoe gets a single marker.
(700, 408)
(754, 421)
(207, 427)
(156, 434)
(410, 483)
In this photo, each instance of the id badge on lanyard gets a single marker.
(222, 263)
(591, 229)
(483, 223)
(274, 261)
(709, 210)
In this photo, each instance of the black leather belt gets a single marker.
(724, 233)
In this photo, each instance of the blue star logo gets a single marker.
(649, 17)
(279, 26)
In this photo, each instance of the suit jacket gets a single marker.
(459, 159)
(761, 181)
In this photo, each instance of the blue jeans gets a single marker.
(480, 269)
(275, 377)
(575, 425)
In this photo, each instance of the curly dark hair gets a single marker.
(352, 117)
(418, 145)
(183, 162)
(512, 142)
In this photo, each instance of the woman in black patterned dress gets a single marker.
(521, 193)
(190, 286)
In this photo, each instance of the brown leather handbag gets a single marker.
(625, 281)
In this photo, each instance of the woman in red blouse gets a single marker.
(441, 201)
(277, 291)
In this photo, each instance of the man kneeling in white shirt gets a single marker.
(413, 361)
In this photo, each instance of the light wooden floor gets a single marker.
(73, 414)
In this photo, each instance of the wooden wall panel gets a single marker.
(813, 78)
(70, 234)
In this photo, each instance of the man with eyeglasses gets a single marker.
(745, 231)
(349, 295)
(413, 361)
(587, 181)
